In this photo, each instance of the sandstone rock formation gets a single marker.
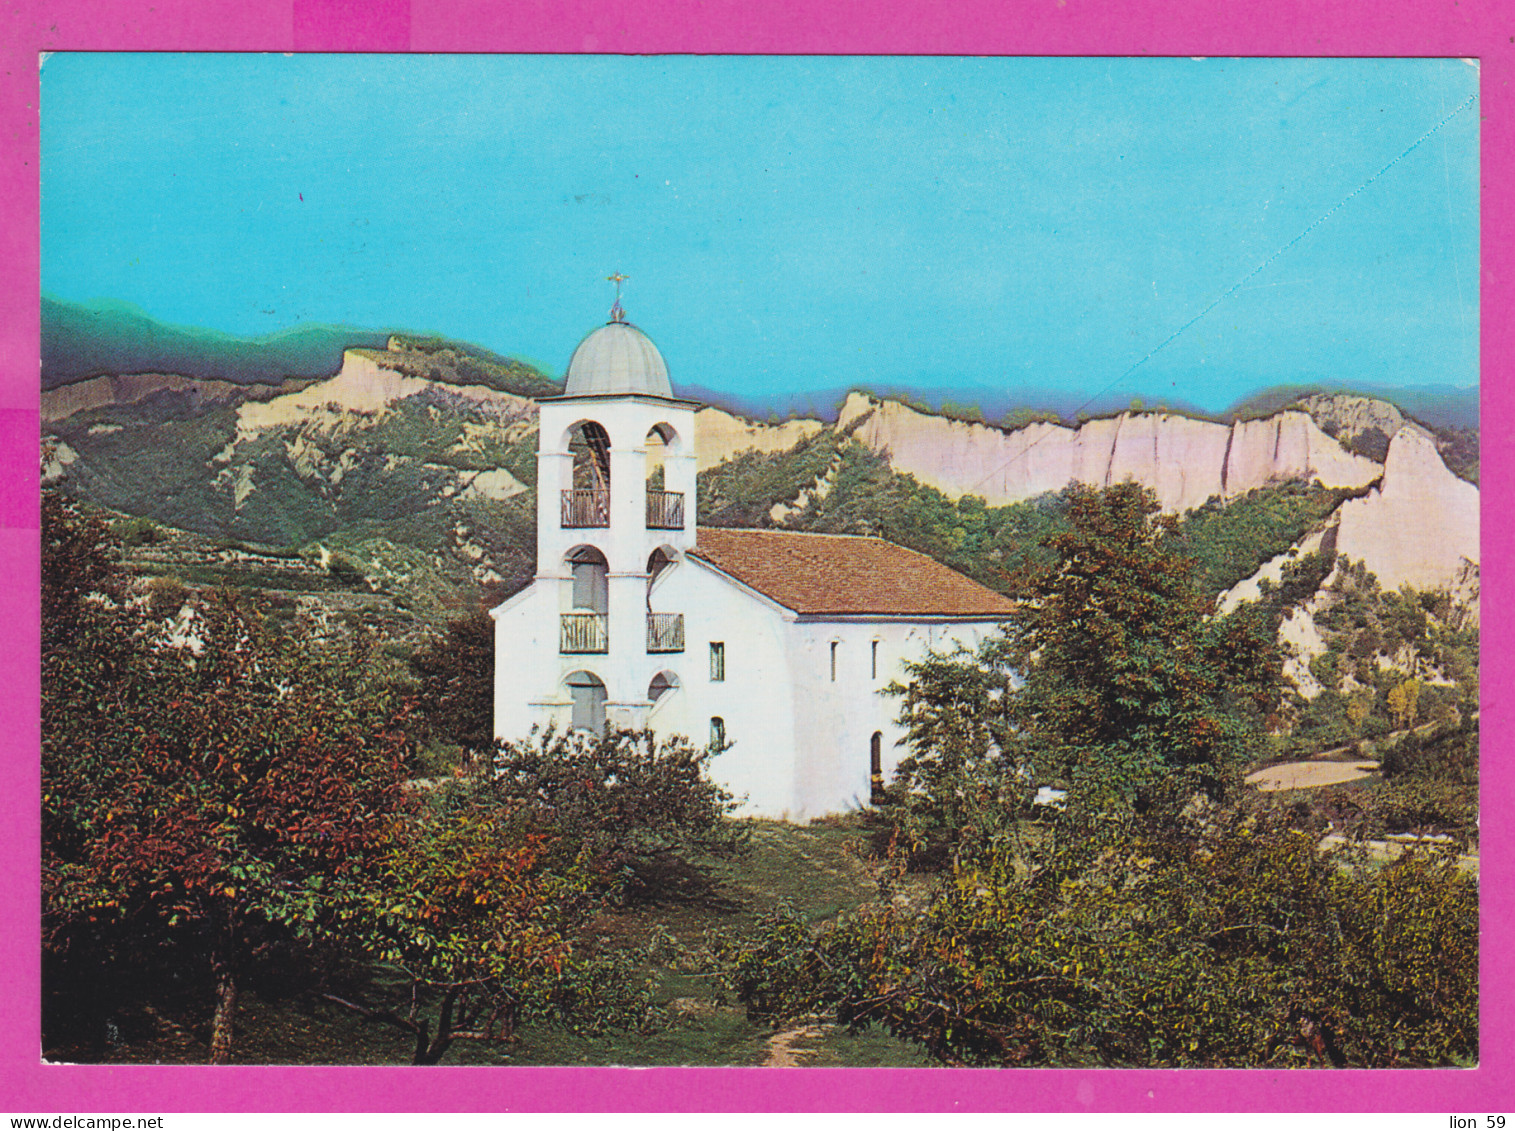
(362, 387)
(1347, 417)
(721, 435)
(1303, 643)
(1184, 461)
(1420, 527)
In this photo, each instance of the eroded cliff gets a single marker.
(1185, 461)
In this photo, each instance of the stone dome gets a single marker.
(617, 358)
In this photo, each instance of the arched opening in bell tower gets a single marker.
(587, 501)
(591, 580)
(665, 508)
(665, 631)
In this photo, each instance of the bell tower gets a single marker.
(615, 513)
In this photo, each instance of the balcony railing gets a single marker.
(581, 633)
(665, 632)
(589, 507)
(665, 510)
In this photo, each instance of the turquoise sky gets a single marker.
(794, 223)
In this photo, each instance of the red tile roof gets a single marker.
(845, 575)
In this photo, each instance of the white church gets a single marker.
(774, 644)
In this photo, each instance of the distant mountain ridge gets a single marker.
(110, 338)
(86, 341)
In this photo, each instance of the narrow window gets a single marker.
(591, 580)
(873, 666)
(588, 695)
(833, 661)
(717, 732)
(876, 767)
(717, 661)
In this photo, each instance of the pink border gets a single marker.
(1469, 28)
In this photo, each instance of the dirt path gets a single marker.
(1307, 775)
(784, 1049)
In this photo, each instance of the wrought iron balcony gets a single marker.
(665, 510)
(589, 507)
(582, 633)
(665, 632)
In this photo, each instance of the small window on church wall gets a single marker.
(717, 732)
(833, 661)
(873, 662)
(591, 582)
(588, 695)
(717, 661)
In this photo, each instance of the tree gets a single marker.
(465, 907)
(1404, 703)
(1114, 679)
(957, 789)
(1135, 693)
(456, 700)
(203, 798)
(474, 903)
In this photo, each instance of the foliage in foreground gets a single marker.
(474, 905)
(1250, 950)
(203, 795)
(225, 805)
(473, 928)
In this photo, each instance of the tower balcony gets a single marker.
(586, 634)
(589, 507)
(665, 632)
(665, 510)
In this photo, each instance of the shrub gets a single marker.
(626, 805)
(137, 532)
(344, 571)
(1254, 950)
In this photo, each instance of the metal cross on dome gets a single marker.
(616, 313)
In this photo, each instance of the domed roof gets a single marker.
(617, 358)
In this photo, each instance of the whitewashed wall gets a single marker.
(838, 718)
(755, 697)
